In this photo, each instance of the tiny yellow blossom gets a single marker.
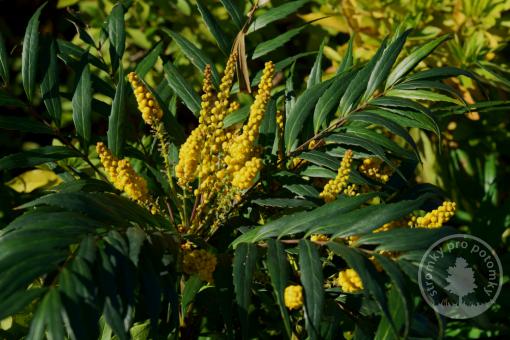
(337, 185)
(436, 218)
(200, 262)
(349, 281)
(374, 169)
(147, 104)
(293, 296)
(319, 238)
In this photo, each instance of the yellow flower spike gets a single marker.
(201, 263)
(349, 281)
(242, 160)
(124, 177)
(436, 218)
(147, 104)
(338, 184)
(293, 297)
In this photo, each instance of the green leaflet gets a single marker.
(311, 276)
(182, 88)
(117, 119)
(410, 62)
(30, 53)
(45, 154)
(245, 259)
(275, 14)
(4, 65)
(149, 60)
(82, 106)
(271, 45)
(50, 84)
(279, 269)
(300, 111)
(117, 35)
(224, 43)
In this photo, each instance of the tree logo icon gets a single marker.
(460, 276)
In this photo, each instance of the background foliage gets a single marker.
(470, 163)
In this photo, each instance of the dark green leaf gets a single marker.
(245, 260)
(348, 59)
(182, 88)
(214, 27)
(235, 13)
(270, 45)
(30, 53)
(275, 14)
(303, 221)
(82, 106)
(33, 157)
(50, 84)
(7, 100)
(358, 85)
(117, 35)
(321, 159)
(118, 116)
(24, 124)
(399, 300)
(191, 288)
(304, 190)
(439, 74)
(316, 73)
(300, 112)
(310, 267)
(423, 95)
(410, 62)
(19, 300)
(48, 317)
(194, 54)
(404, 239)
(237, 116)
(278, 269)
(284, 203)
(330, 99)
(149, 60)
(365, 220)
(383, 66)
(4, 65)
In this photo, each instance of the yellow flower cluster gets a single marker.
(319, 238)
(374, 169)
(436, 218)
(124, 177)
(293, 296)
(147, 104)
(349, 281)
(200, 262)
(189, 153)
(243, 161)
(337, 185)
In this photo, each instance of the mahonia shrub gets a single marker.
(290, 202)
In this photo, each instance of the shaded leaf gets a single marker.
(214, 27)
(149, 60)
(50, 84)
(117, 35)
(182, 88)
(4, 66)
(118, 116)
(310, 267)
(38, 156)
(30, 53)
(82, 106)
(275, 14)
